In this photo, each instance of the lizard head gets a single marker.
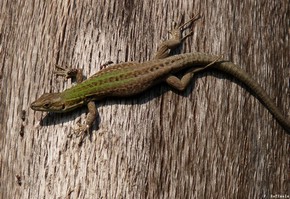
(50, 102)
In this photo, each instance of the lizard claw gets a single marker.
(177, 30)
(81, 129)
(61, 71)
(65, 72)
(103, 66)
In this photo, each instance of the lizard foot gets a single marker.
(65, 72)
(107, 63)
(81, 129)
(176, 32)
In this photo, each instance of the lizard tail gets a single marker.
(265, 99)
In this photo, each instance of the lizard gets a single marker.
(130, 78)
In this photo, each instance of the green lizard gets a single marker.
(130, 78)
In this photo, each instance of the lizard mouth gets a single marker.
(34, 106)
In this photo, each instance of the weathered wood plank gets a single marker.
(214, 141)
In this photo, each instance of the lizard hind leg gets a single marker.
(181, 84)
(176, 38)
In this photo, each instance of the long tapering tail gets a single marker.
(265, 99)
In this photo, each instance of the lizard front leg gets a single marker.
(92, 114)
(91, 117)
(69, 73)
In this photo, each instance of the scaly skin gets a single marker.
(130, 78)
(119, 80)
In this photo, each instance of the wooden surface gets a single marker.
(215, 140)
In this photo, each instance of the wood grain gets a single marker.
(213, 141)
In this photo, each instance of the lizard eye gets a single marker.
(46, 105)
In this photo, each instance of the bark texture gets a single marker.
(215, 140)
